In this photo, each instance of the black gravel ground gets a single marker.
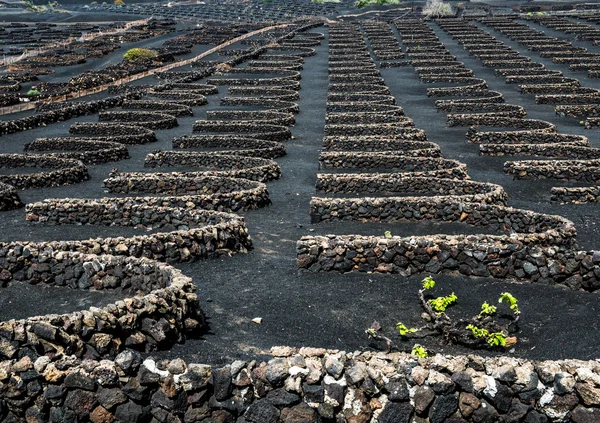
(332, 310)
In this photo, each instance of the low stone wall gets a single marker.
(409, 185)
(525, 71)
(204, 192)
(558, 150)
(526, 137)
(497, 120)
(232, 144)
(253, 168)
(268, 117)
(381, 144)
(278, 93)
(359, 88)
(150, 120)
(592, 122)
(83, 108)
(577, 110)
(578, 195)
(544, 256)
(288, 75)
(399, 129)
(467, 90)
(506, 64)
(367, 118)
(308, 385)
(520, 131)
(204, 89)
(188, 234)
(11, 87)
(363, 106)
(585, 65)
(86, 150)
(255, 130)
(447, 78)
(398, 162)
(165, 313)
(357, 77)
(478, 98)
(57, 113)
(67, 171)
(273, 104)
(9, 198)
(9, 100)
(511, 110)
(571, 170)
(114, 132)
(185, 97)
(541, 79)
(166, 107)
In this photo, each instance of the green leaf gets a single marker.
(509, 300)
(403, 330)
(428, 283)
(419, 351)
(487, 310)
(496, 339)
(440, 304)
(388, 234)
(478, 332)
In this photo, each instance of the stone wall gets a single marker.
(67, 171)
(150, 120)
(253, 168)
(58, 114)
(182, 234)
(232, 144)
(574, 170)
(166, 107)
(582, 110)
(165, 313)
(251, 129)
(307, 385)
(9, 198)
(380, 144)
(87, 150)
(114, 132)
(578, 195)
(204, 192)
(256, 116)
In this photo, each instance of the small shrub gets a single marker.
(363, 3)
(139, 53)
(419, 351)
(437, 9)
(33, 92)
(481, 331)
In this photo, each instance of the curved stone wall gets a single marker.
(232, 144)
(9, 198)
(115, 132)
(253, 168)
(150, 120)
(55, 171)
(552, 88)
(517, 244)
(87, 150)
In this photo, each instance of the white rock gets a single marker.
(490, 389)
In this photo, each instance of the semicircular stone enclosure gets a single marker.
(245, 218)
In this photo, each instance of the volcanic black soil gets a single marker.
(328, 309)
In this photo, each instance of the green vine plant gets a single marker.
(486, 330)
